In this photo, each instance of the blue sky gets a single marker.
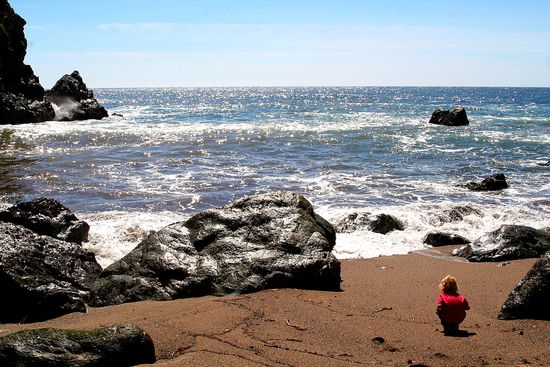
(180, 43)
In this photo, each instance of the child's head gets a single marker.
(448, 285)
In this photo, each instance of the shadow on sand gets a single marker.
(460, 334)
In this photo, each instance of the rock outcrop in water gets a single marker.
(509, 242)
(493, 183)
(73, 99)
(380, 223)
(262, 241)
(457, 213)
(42, 277)
(21, 95)
(529, 299)
(118, 345)
(456, 117)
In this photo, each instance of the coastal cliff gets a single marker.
(22, 98)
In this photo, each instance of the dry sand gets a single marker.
(384, 316)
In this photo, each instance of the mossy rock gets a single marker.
(118, 345)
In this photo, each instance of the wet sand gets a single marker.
(384, 316)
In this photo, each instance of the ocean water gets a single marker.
(175, 152)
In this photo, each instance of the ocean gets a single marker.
(177, 151)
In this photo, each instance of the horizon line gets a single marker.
(325, 86)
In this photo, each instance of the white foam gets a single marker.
(114, 234)
(419, 220)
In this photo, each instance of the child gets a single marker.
(451, 306)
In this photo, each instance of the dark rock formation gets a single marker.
(380, 223)
(42, 277)
(493, 183)
(21, 95)
(509, 242)
(456, 117)
(118, 345)
(457, 213)
(48, 217)
(263, 241)
(437, 239)
(529, 299)
(74, 100)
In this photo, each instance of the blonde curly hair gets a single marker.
(448, 285)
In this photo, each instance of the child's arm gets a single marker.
(440, 305)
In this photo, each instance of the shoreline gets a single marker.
(384, 315)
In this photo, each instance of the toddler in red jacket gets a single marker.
(451, 306)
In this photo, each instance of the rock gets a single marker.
(42, 277)
(21, 95)
(529, 299)
(544, 164)
(509, 242)
(437, 239)
(116, 114)
(457, 213)
(118, 345)
(73, 99)
(262, 241)
(456, 117)
(48, 217)
(493, 183)
(380, 223)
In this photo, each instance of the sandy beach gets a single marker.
(384, 315)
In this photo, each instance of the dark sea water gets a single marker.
(179, 151)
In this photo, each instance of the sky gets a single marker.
(203, 43)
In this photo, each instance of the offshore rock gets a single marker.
(21, 95)
(42, 277)
(457, 213)
(509, 242)
(529, 299)
(257, 242)
(492, 183)
(118, 345)
(437, 239)
(48, 217)
(456, 117)
(380, 223)
(74, 100)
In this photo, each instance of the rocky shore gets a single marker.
(259, 242)
(384, 315)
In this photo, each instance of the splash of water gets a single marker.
(65, 109)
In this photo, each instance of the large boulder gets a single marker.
(456, 117)
(21, 95)
(48, 217)
(380, 223)
(492, 183)
(262, 241)
(509, 242)
(529, 299)
(73, 99)
(118, 345)
(42, 277)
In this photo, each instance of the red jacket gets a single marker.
(453, 307)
